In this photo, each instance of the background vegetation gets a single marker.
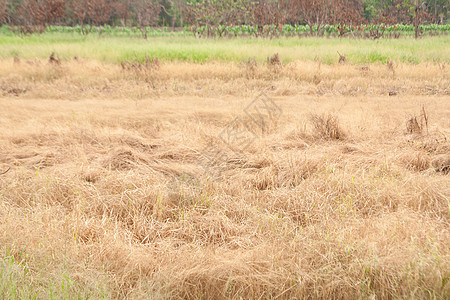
(226, 17)
(176, 47)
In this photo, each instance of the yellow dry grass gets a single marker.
(107, 194)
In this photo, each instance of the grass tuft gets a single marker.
(327, 127)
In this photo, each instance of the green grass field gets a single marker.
(116, 49)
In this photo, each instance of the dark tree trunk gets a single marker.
(416, 21)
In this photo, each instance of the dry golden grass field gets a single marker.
(342, 192)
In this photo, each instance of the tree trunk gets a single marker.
(144, 32)
(435, 11)
(416, 21)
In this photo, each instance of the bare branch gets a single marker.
(5, 171)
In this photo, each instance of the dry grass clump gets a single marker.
(285, 172)
(251, 67)
(441, 164)
(13, 91)
(274, 60)
(342, 58)
(143, 71)
(274, 63)
(390, 66)
(417, 124)
(16, 59)
(137, 79)
(327, 127)
(147, 64)
(152, 62)
(136, 194)
(416, 161)
(53, 60)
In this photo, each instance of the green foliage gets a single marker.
(238, 30)
(19, 281)
(182, 46)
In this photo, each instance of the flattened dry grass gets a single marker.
(107, 196)
(86, 79)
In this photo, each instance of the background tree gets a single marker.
(175, 9)
(269, 13)
(419, 12)
(346, 13)
(147, 13)
(91, 12)
(80, 13)
(217, 14)
(121, 11)
(100, 12)
(54, 11)
(438, 10)
(266, 16)
(313, 12)
(3, 12)
(37, 14)
(179, 10)
(384, 12)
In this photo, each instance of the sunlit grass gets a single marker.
(116, 49)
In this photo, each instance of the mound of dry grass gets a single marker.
(81, 78)
(112, 195)
(327, 127)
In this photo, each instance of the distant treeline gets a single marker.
(214, 16)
